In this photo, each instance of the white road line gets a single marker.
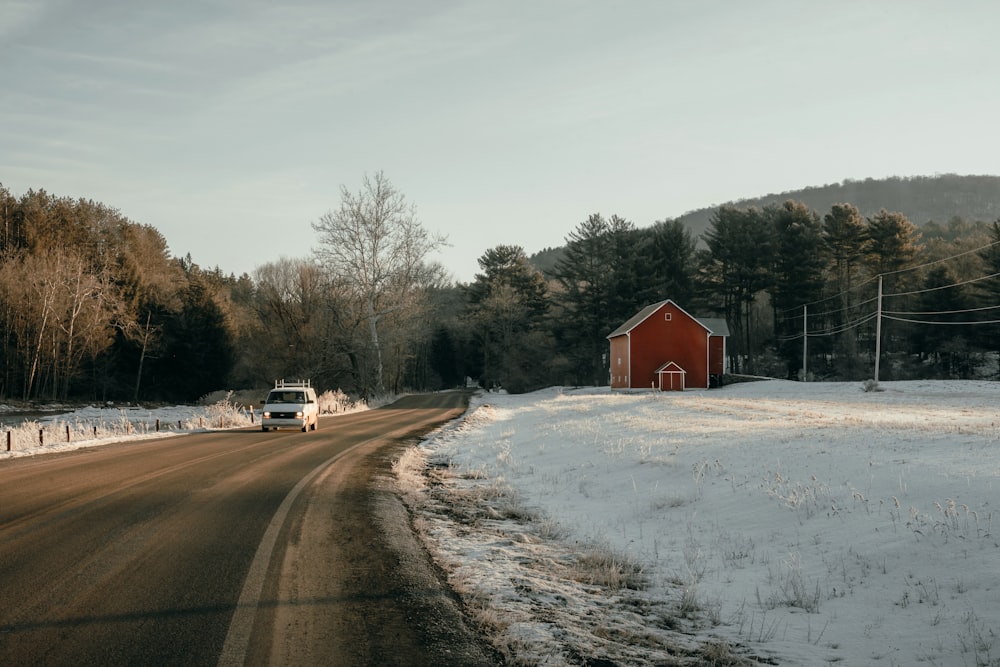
(234, 650)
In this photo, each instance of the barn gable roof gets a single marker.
(670, 367)
(714, 326)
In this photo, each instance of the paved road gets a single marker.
(238, 547)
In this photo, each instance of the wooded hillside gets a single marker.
(921, 199)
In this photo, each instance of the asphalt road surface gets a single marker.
(227, 548)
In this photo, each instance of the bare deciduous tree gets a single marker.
(375, 244)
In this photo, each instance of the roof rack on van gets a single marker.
(282, 384)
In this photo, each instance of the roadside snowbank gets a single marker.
(93, 426)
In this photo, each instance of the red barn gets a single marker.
(663, 347)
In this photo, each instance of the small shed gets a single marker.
(663, 346)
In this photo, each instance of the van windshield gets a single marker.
(286, 397)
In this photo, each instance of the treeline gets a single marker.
(800, 291)
(93, 307)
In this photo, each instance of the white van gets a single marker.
(290, 405)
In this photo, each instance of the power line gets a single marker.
(888, 273)
(853, 306)
(940, 312)
(831, 332)
(941, 287)
(943, 259)
(911, 321)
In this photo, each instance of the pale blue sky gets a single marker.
(230, 125)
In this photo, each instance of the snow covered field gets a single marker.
(762, 523)
(768, 522)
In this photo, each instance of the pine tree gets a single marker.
(797, 273)
(989, 293)
(508, 303)
(740, 255)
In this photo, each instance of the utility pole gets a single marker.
(805, 342)
(878, 329)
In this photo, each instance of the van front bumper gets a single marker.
(283, 423)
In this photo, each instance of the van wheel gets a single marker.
(264, 429)
(306, 427)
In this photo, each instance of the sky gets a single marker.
(232, 125)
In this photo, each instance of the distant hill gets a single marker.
(922, 199)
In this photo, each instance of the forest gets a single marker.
(94, 308)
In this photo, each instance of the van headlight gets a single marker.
(267, 414)
(299, 414)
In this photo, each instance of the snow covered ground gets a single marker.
(94, 426)
(761, 523)
(32, 433)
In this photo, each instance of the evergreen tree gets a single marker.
(845, 234)
(797, 273)
(584, 274)
(508, 303)
(988, 290)
(198, 352)
(668, 262)
(628, 277)
(737, 265)
(940, 302)
(892, 247)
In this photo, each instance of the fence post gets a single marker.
(8, 441)
(157, 424)
(41, 437)
(67, 432)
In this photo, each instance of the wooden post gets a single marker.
(41, 437)
(878, 330)
(805, 343)
(8, 441)
(67, 432)
(157, 424)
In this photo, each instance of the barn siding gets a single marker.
(620, 362)
(661, 333)
(681, 340)
(716, 355)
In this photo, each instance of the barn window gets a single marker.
(667, 316)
